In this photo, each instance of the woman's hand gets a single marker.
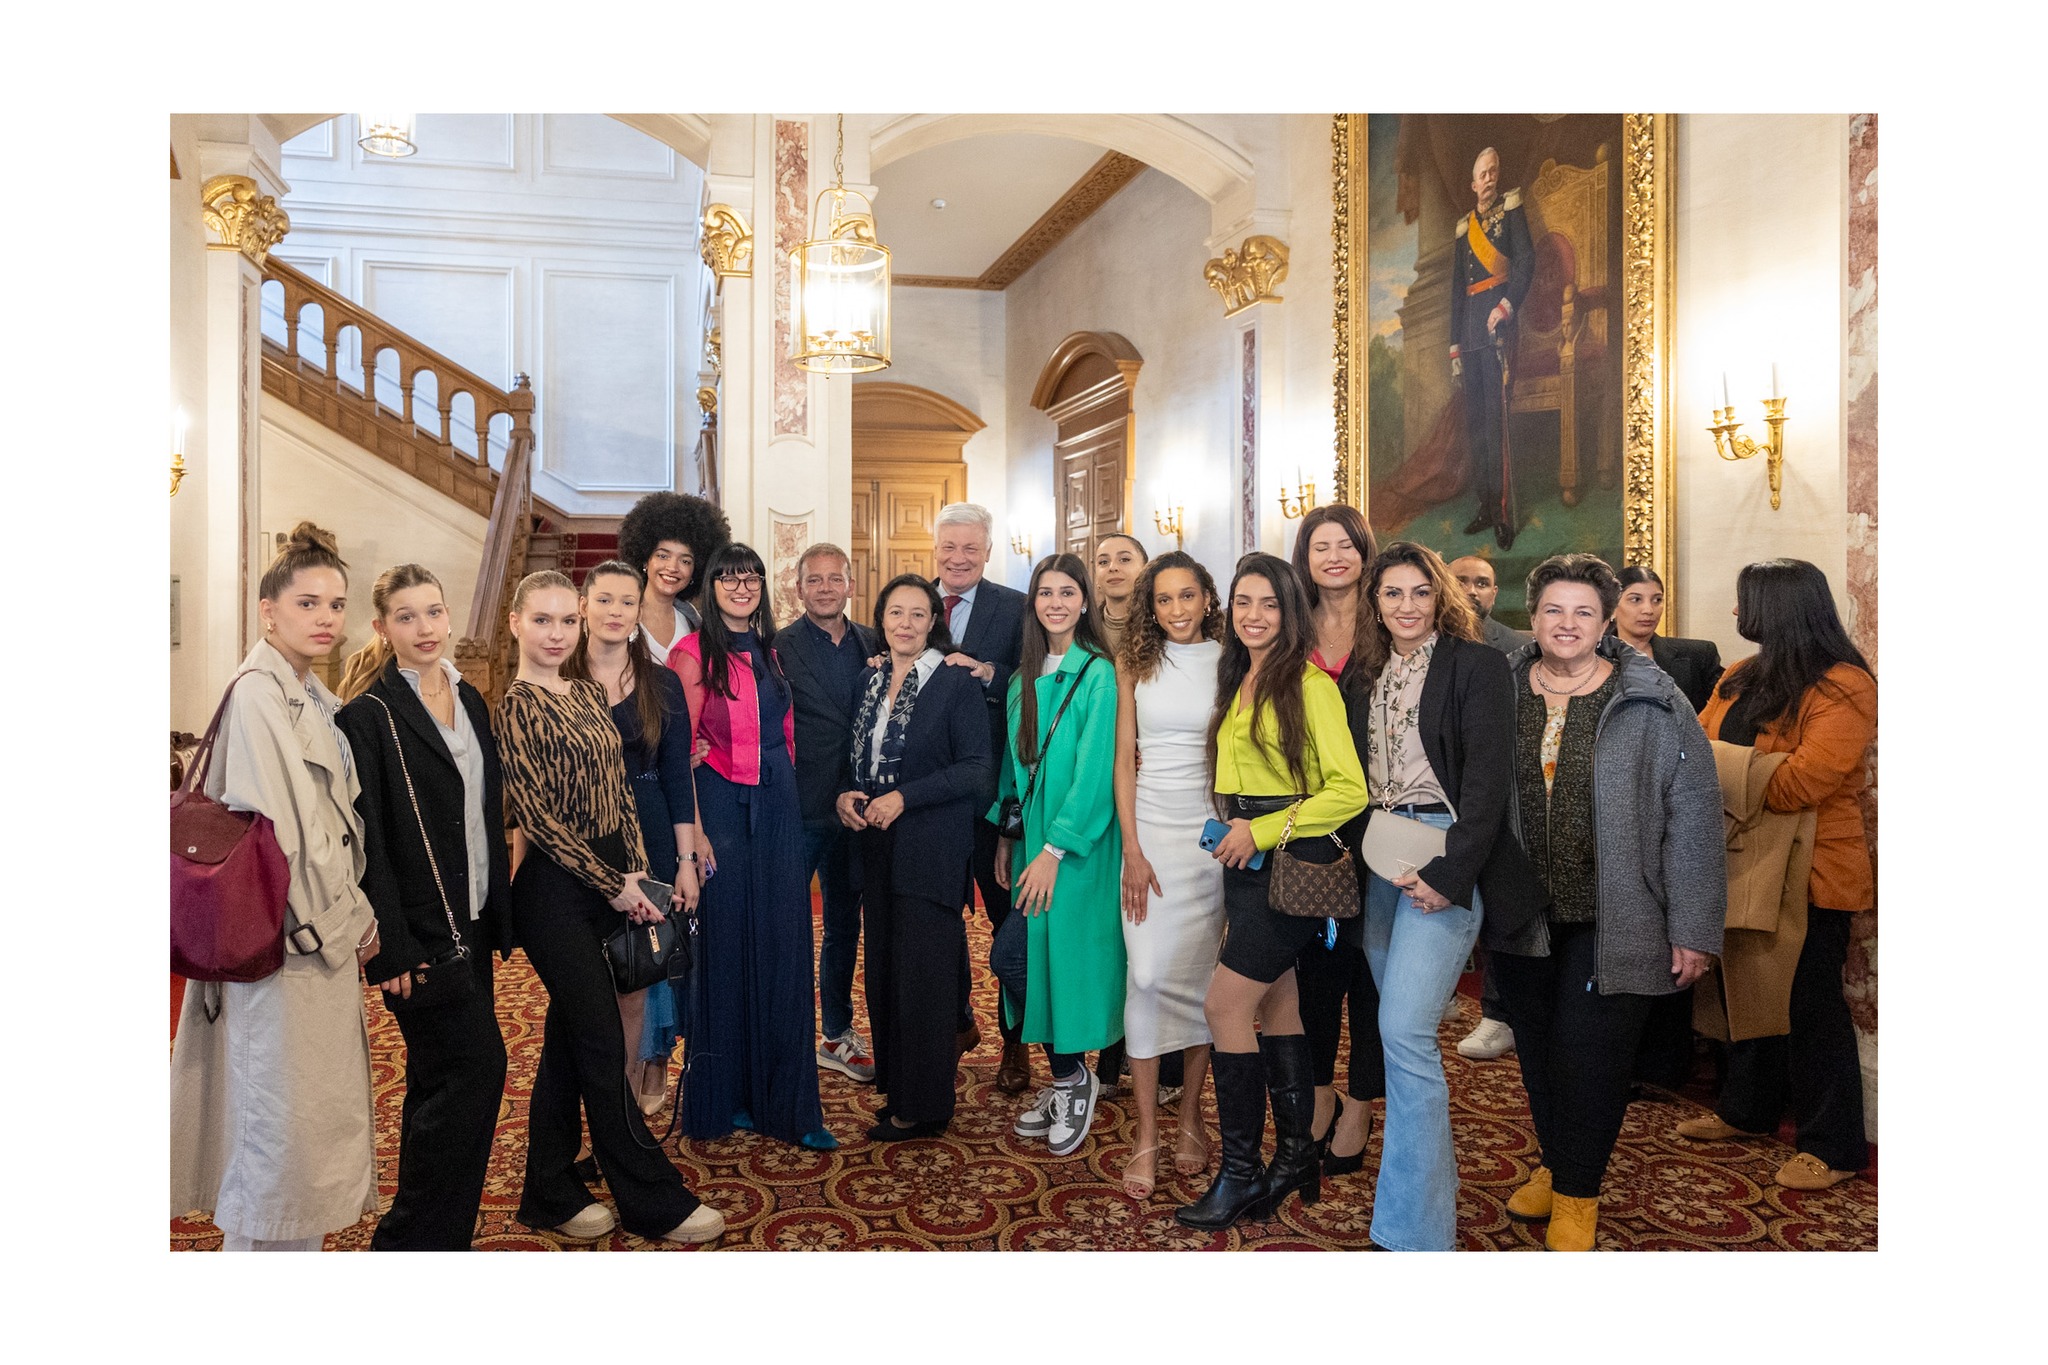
(400, 985)
(707, 865)
(634, 903)
(1236, 848)
(883, 810)
(1422, 893)
(687, 887)
(848, 807)
(1138, 878)
(369, 947)
(1689, 966)
(700, 751)
(1034, 888)
(1003, 847)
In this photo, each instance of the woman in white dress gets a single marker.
(1172, 889)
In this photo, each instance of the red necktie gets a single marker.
(953, 600)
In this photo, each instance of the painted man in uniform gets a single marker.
(1494, 264)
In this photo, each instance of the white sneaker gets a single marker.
(1037, 1120)
(1488, 1041)
(705, 1225)
(1073, 1109)
(594, 1221)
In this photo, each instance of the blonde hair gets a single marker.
(365, 664)
(534, 582)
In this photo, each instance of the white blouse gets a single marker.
(461, 740)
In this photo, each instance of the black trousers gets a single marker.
(1489, 989)
(454, 1081)
(561, 924)
(1813, 1069)
(1327, 979)
(996, 902)
(913, 946)
(1484, 422)
(1665, 1057)
(1577, 1048)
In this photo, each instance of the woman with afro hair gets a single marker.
(666, 536)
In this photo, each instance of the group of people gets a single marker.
(1204, 827)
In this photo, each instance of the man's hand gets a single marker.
(1457, 365)
(983, 673)
(1502, 311)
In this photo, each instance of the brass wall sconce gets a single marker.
(1729, 446)
(1304, 498)
(177, 451)
(1020, 545)
(1170, 524)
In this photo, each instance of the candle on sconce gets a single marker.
(178, 432)
(1726, 401)
(1774, 379)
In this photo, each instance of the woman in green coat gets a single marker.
(1061, 957)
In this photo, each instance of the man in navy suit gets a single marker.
(823, 654)
(987, 621)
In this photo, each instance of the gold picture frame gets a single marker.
(1647, 481)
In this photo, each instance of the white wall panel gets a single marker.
(475, 141)
(607, 379)
(598, 144)
(463, 311)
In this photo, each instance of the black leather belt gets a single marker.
(1429, 808)
(1249, 806)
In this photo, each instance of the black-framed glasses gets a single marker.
(739, 581)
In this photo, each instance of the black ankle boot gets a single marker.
(1290, 1076)
(1241, 1117)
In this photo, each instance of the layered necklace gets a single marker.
(1576, 688)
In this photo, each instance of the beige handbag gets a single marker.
(1394, 845)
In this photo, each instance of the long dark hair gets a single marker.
(1785, 606)
(1347, 520)
(1280, 678)
(1144, 638)
(736, 558)
(1455, 614)
(646, 679)
(1628, 578)
(941, 636)
(1031, 659)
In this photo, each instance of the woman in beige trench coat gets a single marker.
(270, 1100)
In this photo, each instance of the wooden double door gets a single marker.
(1085, 388)
(895, 504)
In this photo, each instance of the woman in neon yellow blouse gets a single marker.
(1280, 742)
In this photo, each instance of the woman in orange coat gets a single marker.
(1807, 692)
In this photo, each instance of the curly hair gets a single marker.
(679, 517)
(1144, 638)
(1455, 614)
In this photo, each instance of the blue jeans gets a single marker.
(1416, 959)
(1009, 957)
(830, 854)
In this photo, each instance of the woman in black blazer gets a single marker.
(1432, 712)
(916, 780)
(1695, 665)
(436, 873)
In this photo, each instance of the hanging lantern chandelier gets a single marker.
(839, 284)
(387, 134)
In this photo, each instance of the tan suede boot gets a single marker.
(1572, 1223)
(1533, 1200)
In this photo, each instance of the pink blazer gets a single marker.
(731, 724)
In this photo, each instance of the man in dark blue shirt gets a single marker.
(823, 653)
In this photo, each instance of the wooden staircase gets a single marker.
(427, 441)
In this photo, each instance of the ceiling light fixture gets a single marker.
(387, 134)
(938, 203)
(839, 281)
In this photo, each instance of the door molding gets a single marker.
(1088, 386)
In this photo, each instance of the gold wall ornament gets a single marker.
(244, 220)
(728, 244)
(1304, 498)
(1172, 522)
(1248, 275)
(1347, 238)
(714, 351)
(1730, 446)
(707, 399)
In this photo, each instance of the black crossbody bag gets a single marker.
(1011, 825)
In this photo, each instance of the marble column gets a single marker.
(1859, 389)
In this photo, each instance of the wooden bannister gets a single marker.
(428, 450)
(483, 654)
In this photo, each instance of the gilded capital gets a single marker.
(1246, 275)
(242, 219)
(728, 244)
(714, 351)
(707, 399)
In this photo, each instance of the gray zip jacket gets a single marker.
(1661, 868)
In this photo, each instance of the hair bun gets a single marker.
(307, 536)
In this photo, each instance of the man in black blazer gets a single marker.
(987, 619)
(1475, 574)
(822, 654)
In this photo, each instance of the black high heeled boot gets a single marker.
(1241, 1118)
(1290, 1076)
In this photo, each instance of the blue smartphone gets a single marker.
(1215, 831)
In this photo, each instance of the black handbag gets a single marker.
(640, 955)
(1010, 818)
(447, 977)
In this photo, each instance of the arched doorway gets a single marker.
(1086, 388)
(908, 462)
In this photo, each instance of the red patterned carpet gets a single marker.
(981, 1189)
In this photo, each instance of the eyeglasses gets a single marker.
(739, 582)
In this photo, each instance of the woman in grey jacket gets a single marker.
(1619, 809)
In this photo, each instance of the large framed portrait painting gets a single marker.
(1502, 300)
